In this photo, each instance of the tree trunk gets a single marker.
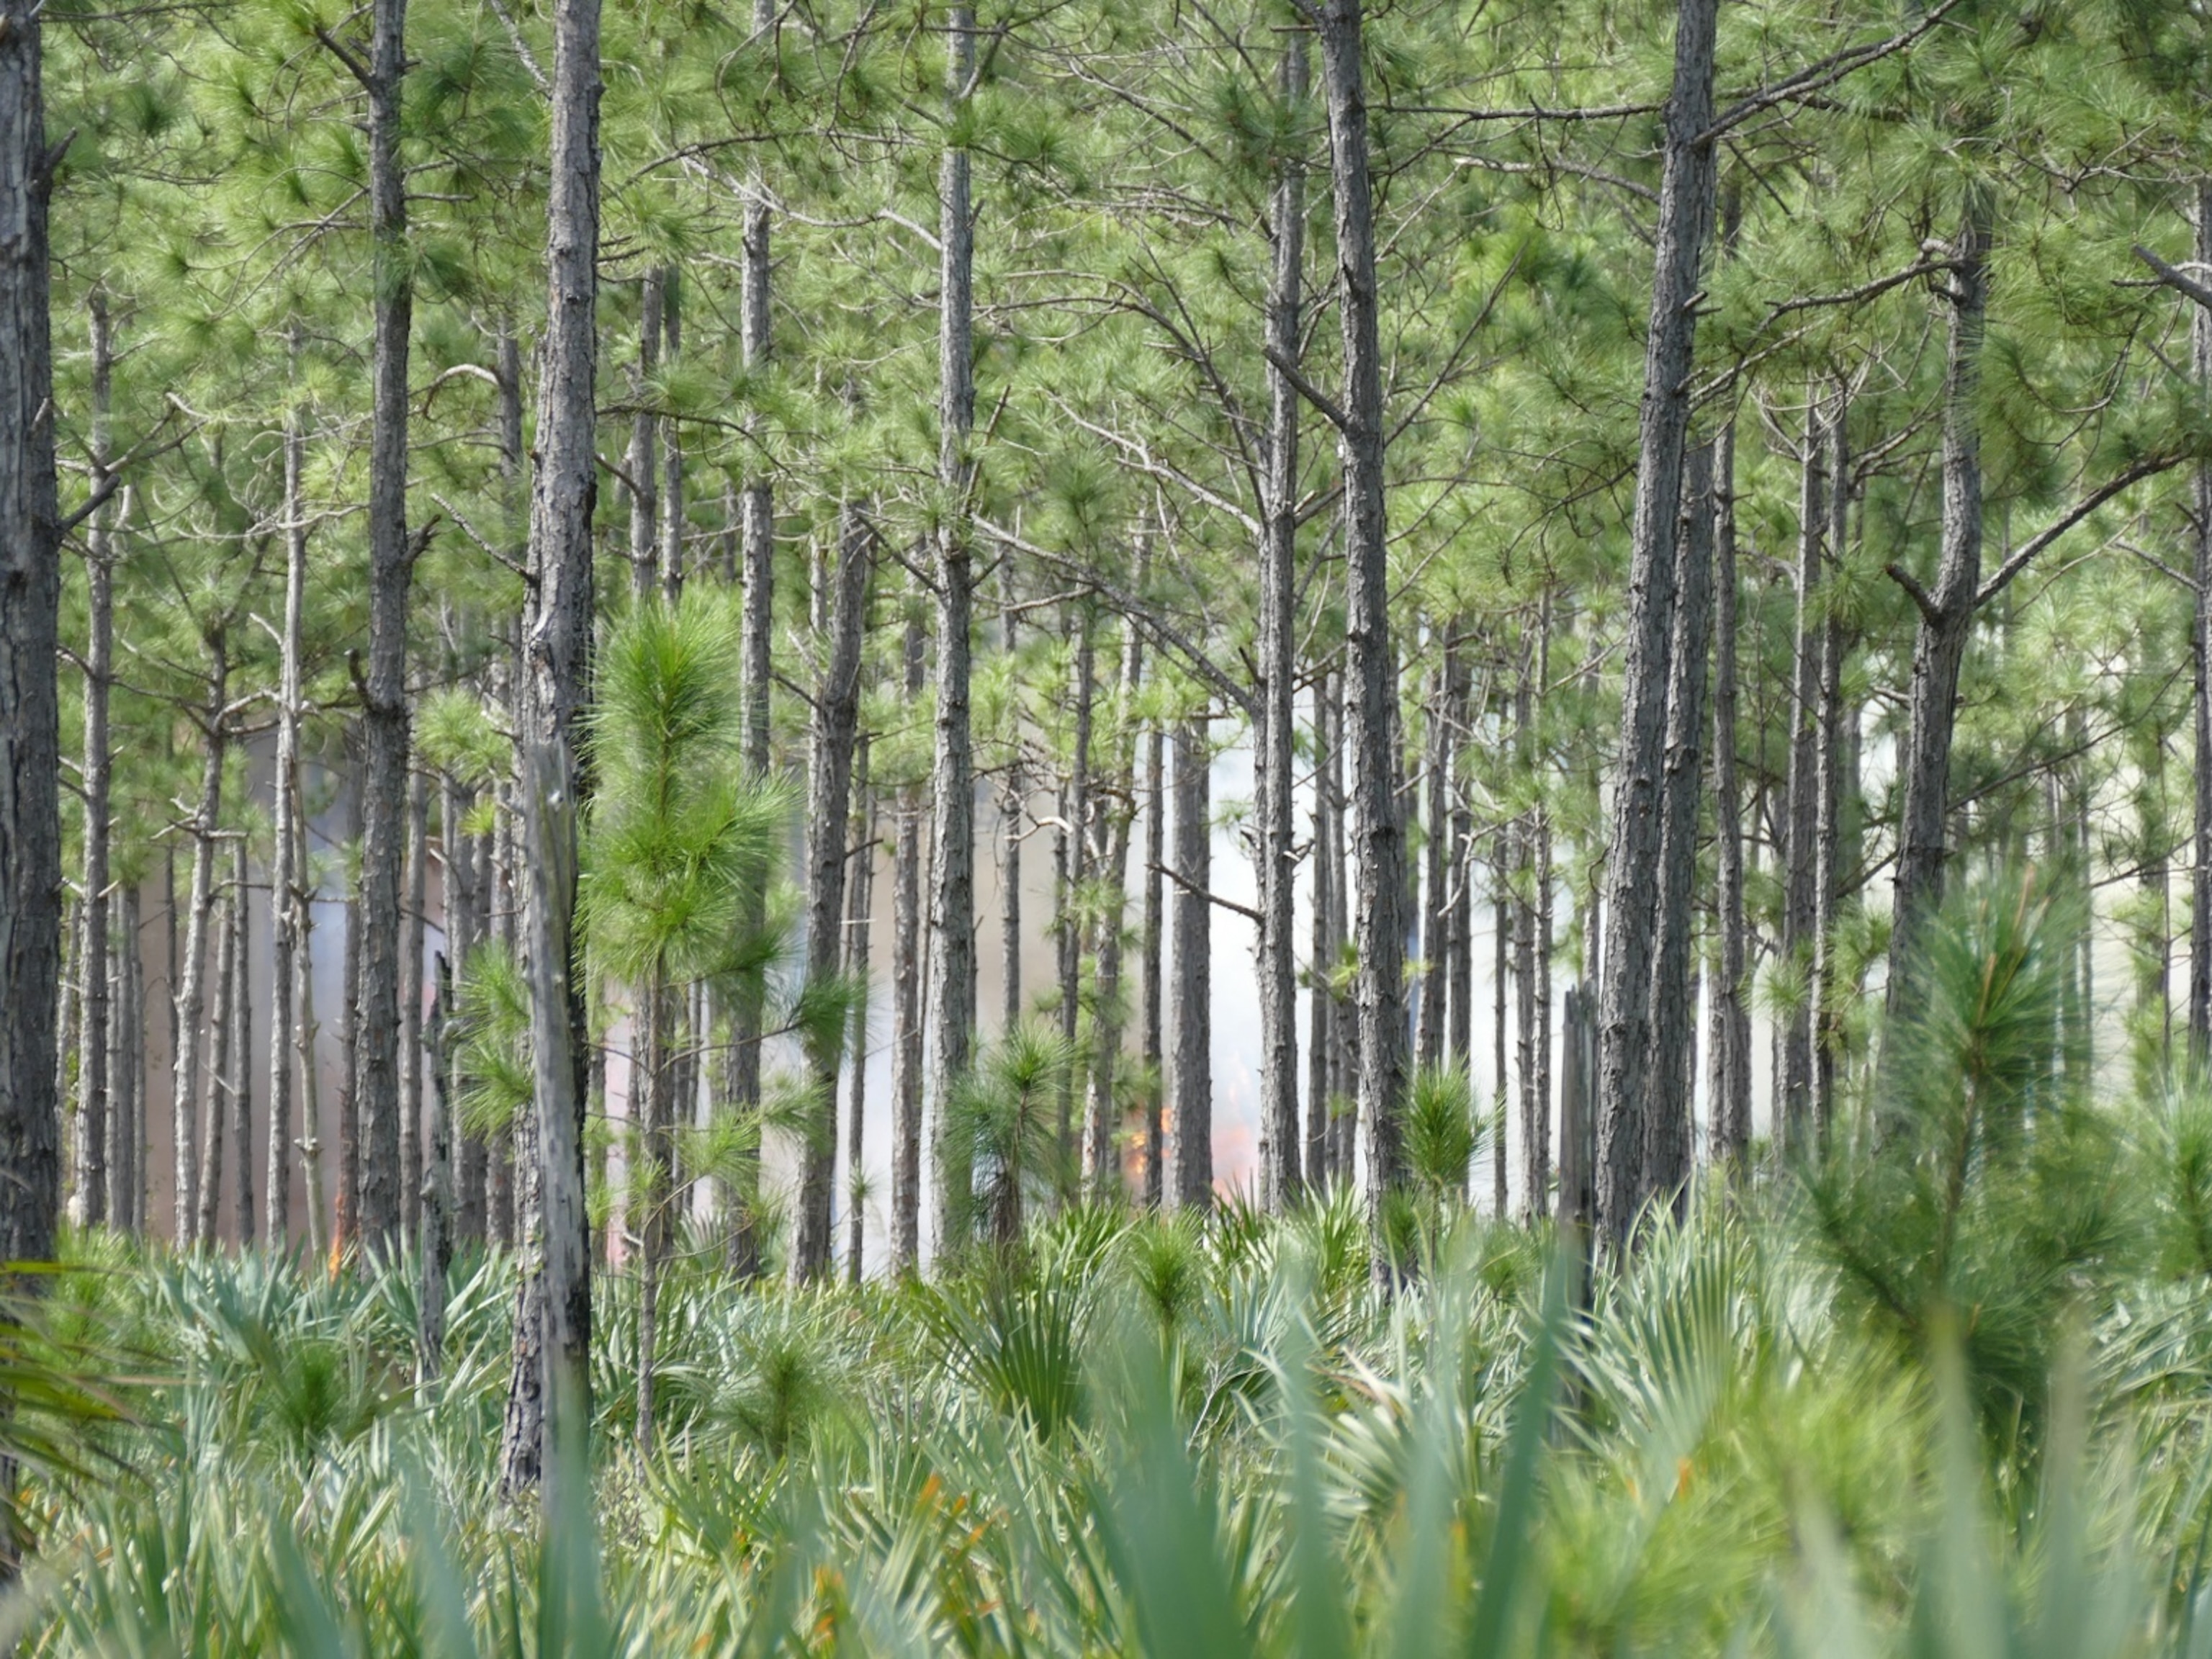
(1459, 925)
(1829, 802)
(643, 461)
(93, 1080)
(1321, 1000)
(559, 635)
(1434, 1012)
(1275, 741)
(653, 1022)
(1153, 1036)
(30, 714)
(191, 994)
(950, 1012)
(410, 1009)
(756, 630)
(1010, 857)
(1103, 1156)
(1731, 1017)
(841, 612)
(384, 688)
(2200, 638)
(242, 1048)
(1685, 212)
(906, 1000)
(1671, 1153)
(1939, 647)
(285, 904)
(222, 1027)
(859, 919)
(1501, 908)
(1801, 823)
(1376, 831)
(437, 1246)
(349, 1194)
(673, 523)
(1076, 835)
(1191, 1084)
(126, 1070)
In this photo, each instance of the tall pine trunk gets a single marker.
(1631, 945)
(906, 995)
(951, 1008)
(1671, 1150)
(860, 912)
(643, 459)
(1153, 1037)
(840, 615)
(190, 981)
(553, 1344)
(1830, 801)
(1321, 994)
(1731, 1016)
(1800, 820)
(1947, 612)
(2200, 639)
(92, 1083)
(30, 715)
(1376, 831)
(383, 687)
(1101, 1154)
(286, 905)
(1275, 741)
(1191, 1084)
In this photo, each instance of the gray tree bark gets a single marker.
(221, 1028)
(1075, 840)
(1731, 1016)
(906, 998)
(93, 1081)
(1152, 1037)
(1686, 213)
(1275, 741)
(950, 1008)
(191, 982)
(285, 902)
(411, 1008)
(860, 915)
(391, 555)
(1939, 647)
(1377, 830)
(126, 1070)
(1191, 1083)
(643, 461)
(1101, 1156)
(30, 714)
(1800, 820)
(840, 615)
(1320, 996)
(1829, 802)
(1671, 1151)
(2200, 640)
(557, 643)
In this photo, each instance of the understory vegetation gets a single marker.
(1945, 1391)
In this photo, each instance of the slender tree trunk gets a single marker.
(1434, 1012)
(1321, 1000)
(30, 716)
(222, 1027)
(673, 523)
(1828, 797)
(126, 1066)
(2200, 639)
(1502, 907)
(1801, 821)
(557, 1288)
(1674, 1015)
(1077, 840)
(349, 1197)
(1939, 647)
(1731, 1034)
(304, 1032)
(383, 695)
(654, 1022)
(437, 1246)
(1010, 847)
(1191, 1085)
(241, 1047)
(951, 1009)
(93, 1080)
(1101, 1156)
(190, 996)
(411, 1008)
(1686, 213)
(1459, 946)
(1153, 1036)
(1377, 832)
(1275, 741)
(860, 916)
(757, 638)
(643, 461)
(906, 1000)
(285, 903)
(841, 610)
